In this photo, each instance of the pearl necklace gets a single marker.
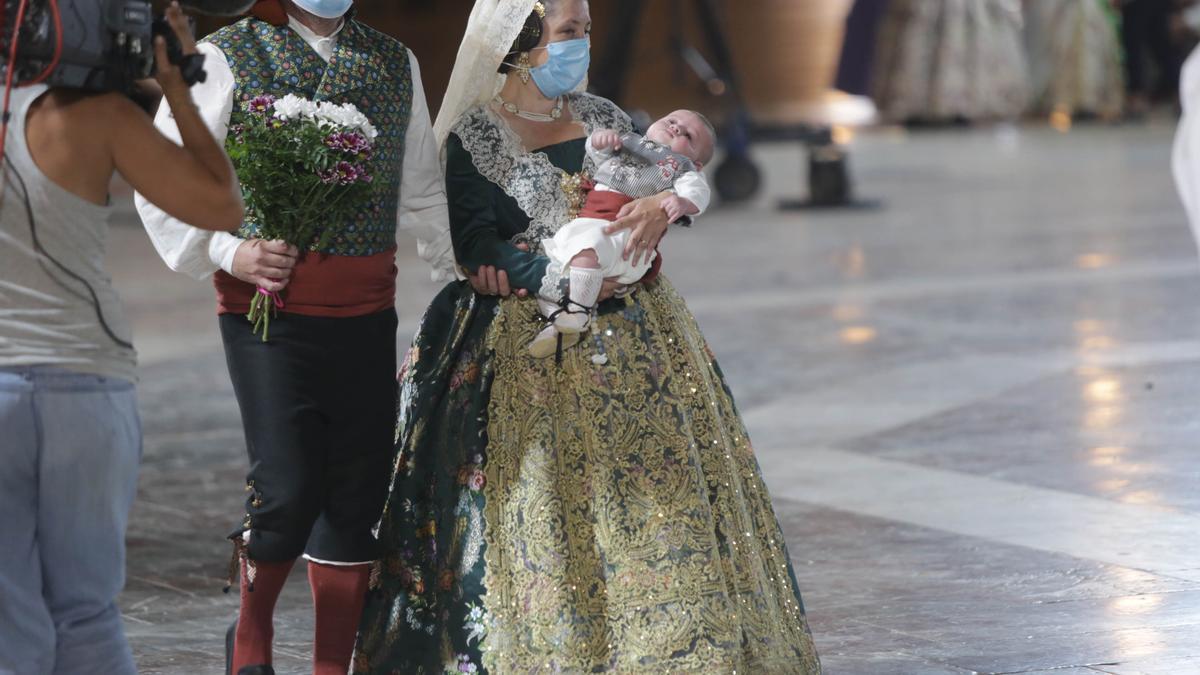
(512, 108)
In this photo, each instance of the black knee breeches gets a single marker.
(318, 405)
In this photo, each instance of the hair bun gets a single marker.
(528, 38)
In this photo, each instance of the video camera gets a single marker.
(96, 45)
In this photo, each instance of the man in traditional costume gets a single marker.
(318, 401)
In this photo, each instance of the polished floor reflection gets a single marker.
(974, 407)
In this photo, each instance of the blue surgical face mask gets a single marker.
(565, 69)
(326, 9)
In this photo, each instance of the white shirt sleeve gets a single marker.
(182, 247)
(423, 209)
(693, 186)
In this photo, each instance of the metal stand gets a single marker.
(738, 177)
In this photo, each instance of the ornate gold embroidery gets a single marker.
(572, 186)
(628, 527)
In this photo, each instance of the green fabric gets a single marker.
(368, 69)
(484, 219)
(442, 442)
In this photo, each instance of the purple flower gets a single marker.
(345, 173)
(350, 142)
(334, 141)
(355, 143)
(260, 105)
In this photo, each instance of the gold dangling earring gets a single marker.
(524, 66)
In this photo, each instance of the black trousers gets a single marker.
(1146, 35)
(318, 404)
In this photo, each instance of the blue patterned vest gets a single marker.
(368, 69)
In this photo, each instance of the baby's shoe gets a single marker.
(546, 342)
(575, 313)
(573, 319)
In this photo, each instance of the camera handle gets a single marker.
(191, 66)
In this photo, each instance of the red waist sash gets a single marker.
(603, 204)
(322, 285)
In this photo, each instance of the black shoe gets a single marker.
(230, 635)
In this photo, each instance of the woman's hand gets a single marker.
(167, 73)
(649, 223)
(487, 280)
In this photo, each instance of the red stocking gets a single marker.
(256, 618)
(338, 596)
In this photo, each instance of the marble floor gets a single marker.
(974, 407)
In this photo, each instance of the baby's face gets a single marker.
(684, 133)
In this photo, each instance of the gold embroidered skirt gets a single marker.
(602, 514)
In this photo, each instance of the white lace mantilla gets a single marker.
(529, 177)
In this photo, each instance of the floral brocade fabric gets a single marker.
(605, 514)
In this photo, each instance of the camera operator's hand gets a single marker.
(266, 264)
(167, 73)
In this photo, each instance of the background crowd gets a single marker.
(956, 61)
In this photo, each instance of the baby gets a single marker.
(628, 167)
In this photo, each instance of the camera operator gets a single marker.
(71, 438)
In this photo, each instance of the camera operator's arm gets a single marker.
(183, 248)
(195, 252)
(194, 183)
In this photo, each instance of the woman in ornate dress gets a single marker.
(603, 513)
(951, 60)
(1074, 57)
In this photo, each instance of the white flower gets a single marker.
(291, 107)
(347, 116)
(331, 113)
(326, 114)
(476, 624)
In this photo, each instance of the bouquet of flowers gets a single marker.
(303, 167)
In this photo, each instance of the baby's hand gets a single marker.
(673, 207)
(606, 139)
(677, 207)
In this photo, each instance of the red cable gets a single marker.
(12, 60)
(12, 69)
